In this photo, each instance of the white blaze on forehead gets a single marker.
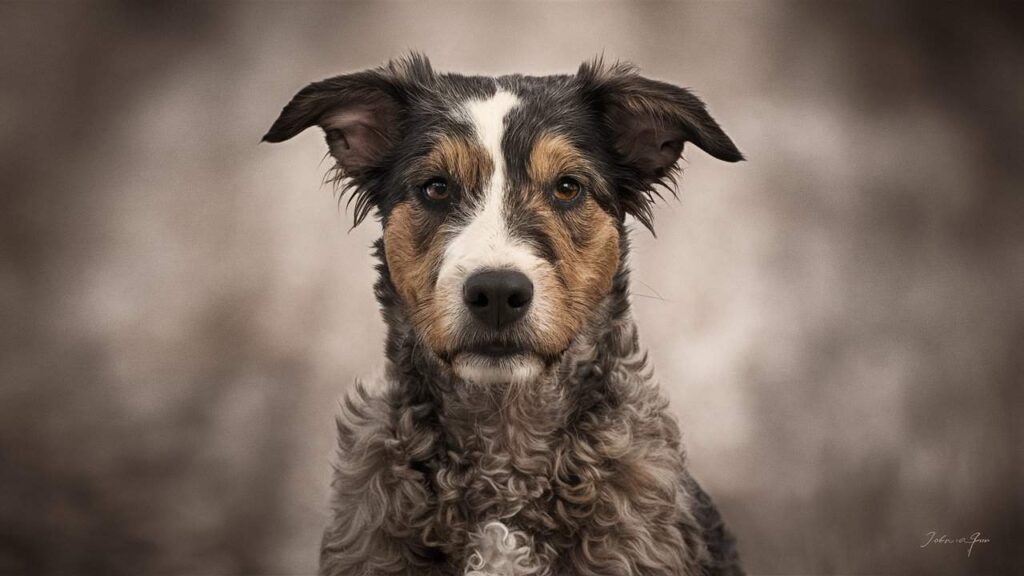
(485, 241)
(488, 118)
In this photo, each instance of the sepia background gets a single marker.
(838, 321)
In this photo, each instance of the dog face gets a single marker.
(502, 199)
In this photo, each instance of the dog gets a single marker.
(518, 429)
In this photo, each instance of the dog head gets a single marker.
(502, 199)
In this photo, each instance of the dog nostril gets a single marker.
(518, 299)
(478, 300)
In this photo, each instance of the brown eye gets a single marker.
(567, 189)
(436, 190)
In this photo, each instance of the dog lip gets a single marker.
(495, 350)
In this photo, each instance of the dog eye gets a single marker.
(567, 189)
(436, 190)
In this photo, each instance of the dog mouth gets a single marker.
(495, 350)
(501, 351)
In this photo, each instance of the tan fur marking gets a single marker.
(465, 161)
(412, 269)
(553, 155)
(585, 239)
(586, 268)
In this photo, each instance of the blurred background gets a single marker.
(839, 320)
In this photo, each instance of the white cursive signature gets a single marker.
(970, 541)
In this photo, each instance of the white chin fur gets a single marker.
(486, 370)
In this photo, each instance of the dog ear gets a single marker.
(359, 113)
(649, 122)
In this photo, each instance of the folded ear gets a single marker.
(649, 122)
(359, 113)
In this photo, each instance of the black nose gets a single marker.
(498, 297)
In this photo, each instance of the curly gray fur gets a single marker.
(580, 472)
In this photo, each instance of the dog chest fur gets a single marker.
(526, 481)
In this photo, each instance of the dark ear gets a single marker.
(649, 122)
(359, 113)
